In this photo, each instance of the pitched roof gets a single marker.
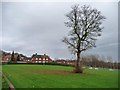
(40, 56)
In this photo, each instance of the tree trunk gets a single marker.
(78, 67)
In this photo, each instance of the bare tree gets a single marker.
(110, 63)
(85, 24)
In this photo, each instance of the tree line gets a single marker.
(100, 62)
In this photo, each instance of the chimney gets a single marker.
(44, 54)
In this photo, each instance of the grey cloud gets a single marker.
(39, 27)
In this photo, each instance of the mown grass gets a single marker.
(4, 83)
(50, 76)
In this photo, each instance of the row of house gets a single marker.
(62, 61)
(35, 58)
(6, 57)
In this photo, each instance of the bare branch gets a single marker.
(65, 40)
(85, 24)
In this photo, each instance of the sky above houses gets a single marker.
(38, 27)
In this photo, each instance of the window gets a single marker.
(36, 58)
(43, 58)
(7, 59)
(39, 58)
(46, 58)
(43, 61)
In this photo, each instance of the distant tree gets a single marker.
(12, 56)
(109, 59)
(94, 59)
(85, 24)
(18, 57)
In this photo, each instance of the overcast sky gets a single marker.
(38, 27)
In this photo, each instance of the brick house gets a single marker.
(22, 57)
(61, 61)
(70, 62)
(6, 57)
(41, 58)
(28, 59)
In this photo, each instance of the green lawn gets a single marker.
(4, 83)
(51, 76)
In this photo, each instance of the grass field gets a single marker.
(51, 76)
(4, 83)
